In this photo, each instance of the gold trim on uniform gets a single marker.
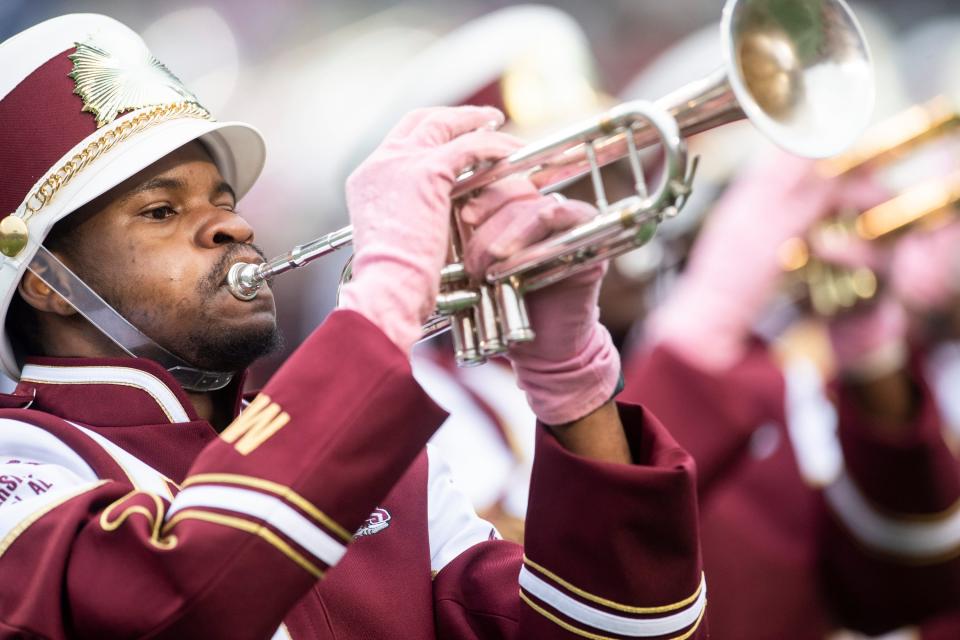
(60, 177)
(111, 382)
(250, 527)
(610, 603)
(594, 636)
(283, 491)
(155, 519)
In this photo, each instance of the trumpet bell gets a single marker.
(800, 71)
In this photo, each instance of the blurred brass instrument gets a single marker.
(832, 289)
(800, 71)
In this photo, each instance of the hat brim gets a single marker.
(237, 150)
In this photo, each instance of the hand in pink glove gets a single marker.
(734, 267)
(868, 340)
(571, 368)
(399, 202)
(925, 268)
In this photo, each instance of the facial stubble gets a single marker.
(203, 339)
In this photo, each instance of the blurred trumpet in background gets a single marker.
(831, 289)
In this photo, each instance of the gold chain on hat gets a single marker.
(13, 228)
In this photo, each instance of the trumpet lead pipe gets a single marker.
(245, 279)
(913, 205)
(896, 136)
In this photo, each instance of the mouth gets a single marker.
(251, 259)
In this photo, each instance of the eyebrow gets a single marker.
(223, 187)
(173, 184)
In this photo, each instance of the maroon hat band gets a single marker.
(41, 119)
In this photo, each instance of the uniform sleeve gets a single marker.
(266, 510)
(892, 533)
(712, 415)
(610, 551)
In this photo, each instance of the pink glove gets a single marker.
(399, 202)
(868, 340)
(735, 266)
(925, 268)
(571, 368)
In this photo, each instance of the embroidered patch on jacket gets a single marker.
(377, 522)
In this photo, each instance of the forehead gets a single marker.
(192, 156)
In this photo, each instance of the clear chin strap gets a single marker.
(91, 306)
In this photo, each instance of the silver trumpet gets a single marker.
(800, 71)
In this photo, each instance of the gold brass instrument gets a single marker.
(799, 71)
(833, 289)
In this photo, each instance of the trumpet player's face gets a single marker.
(158, 248)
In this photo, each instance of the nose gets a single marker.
(222, 227)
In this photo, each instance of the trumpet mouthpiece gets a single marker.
(243, 280)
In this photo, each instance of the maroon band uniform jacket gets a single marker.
(318, 513)
(811, 521)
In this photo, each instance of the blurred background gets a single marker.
(325, 80)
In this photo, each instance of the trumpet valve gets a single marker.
(513, 313)
(466, 347)
(487, 324)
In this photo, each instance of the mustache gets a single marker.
(218, 273)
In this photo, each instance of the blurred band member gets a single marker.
(820, 511)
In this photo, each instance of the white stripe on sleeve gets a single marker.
(270, 509)
(916, 539)
(611, 622)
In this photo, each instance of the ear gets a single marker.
(40, 296)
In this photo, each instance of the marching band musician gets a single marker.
(540, 85)
(821, 508)
(137, 500)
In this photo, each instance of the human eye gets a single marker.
(226, 203)
(159, 213)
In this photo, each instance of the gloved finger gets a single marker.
(925, 267)
(562, 214)
(550, 216)
(474, 149)
(518, 218)
(443, 124)
(408, 122)
(844, 249)
(495, 196)
(861, 193)
(519, 225)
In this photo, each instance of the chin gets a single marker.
(234, 314)
(232, 342)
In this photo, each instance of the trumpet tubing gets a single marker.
(896, 136)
